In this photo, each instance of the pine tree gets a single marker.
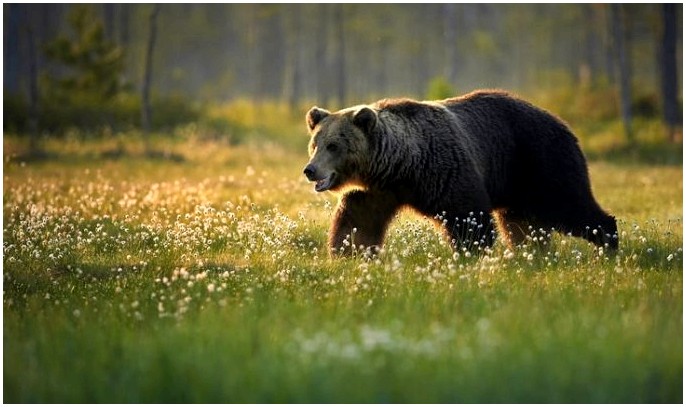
(93, 65)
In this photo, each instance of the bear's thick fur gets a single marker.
(472, 162)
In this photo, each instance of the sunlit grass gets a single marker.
(207, 280)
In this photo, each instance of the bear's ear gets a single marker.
(365, 118)
(314, 116)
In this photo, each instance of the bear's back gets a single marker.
(519, 143)
(407, 108)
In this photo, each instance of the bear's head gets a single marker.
(339, 146)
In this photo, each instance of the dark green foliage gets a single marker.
(15, 114)
(94, 66)
(440, 88)
(86, 112)
(646, 105)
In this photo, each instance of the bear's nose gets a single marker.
(309, 171)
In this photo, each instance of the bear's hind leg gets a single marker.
(516, 230)
(361, 219)
(598, 228)
(512, 231)
(470, 230)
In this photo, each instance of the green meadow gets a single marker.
(201, 275)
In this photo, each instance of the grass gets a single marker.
(207, 280)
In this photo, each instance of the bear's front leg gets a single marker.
(361, 219)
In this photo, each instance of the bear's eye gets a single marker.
(332, 147)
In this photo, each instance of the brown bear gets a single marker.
(472, 162)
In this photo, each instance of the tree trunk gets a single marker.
(322, 58)
(252, 38)
(620, 47)
(608, 45)
(339, 61)
(123, 38)
(588, 70)
(668, 74)
(450, 43)
(146, 109)
(11, 52)
(124, 15)
(33, 90)
(108, 13)
(293, 71)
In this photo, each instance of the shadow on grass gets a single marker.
(38, 155)
(120, 152)
(114, 154)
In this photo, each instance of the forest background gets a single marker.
(92, 66)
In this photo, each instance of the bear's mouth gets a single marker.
(325, 183)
